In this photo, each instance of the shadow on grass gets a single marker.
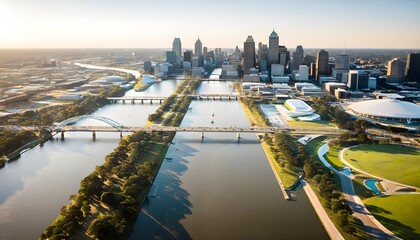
(387, 148)
(361, 190)
(402, 230)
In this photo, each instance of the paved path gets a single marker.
(323, 216)
(372, 226)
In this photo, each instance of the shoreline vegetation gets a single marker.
(11, 141)
(110, 198)
(291, 157)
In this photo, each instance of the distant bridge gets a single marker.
(151, 99)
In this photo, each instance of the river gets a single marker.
(215, 188)
(35, 187)
(222, 188)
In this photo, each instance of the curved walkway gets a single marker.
(366, 173)
(372, 226)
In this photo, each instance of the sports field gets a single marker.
(394, 162)
(399, 213)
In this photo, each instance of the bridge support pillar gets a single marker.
(62, 135)
(94, 135)
(123, 101)
(238, 135)
(151, 101)
(202, 134)
(132, 101)
(160, 101)
(142, 101)
(121, 135)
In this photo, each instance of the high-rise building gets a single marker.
(205, 51)
(342, 66)
(273, 48)
(358, 80)
(177, 49)
(263, 58)
(170, 57)
(322, 63)
(284, 56)
(395, 71)
(188, 55)
(297, 58)
(342, 61)
(235, 59)
(412, 69)
(249, 54)
(198, 48)
(148, 66)
(303, 73)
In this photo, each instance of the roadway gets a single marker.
(372, 226)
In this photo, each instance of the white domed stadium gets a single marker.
(388, 110)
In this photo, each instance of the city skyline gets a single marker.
(106, 24)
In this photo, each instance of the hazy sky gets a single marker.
(220, 23)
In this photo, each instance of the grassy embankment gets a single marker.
(314, 124)
(358, 232)
(398, 213)
(110, 198)
(394, 162)
(287, 174)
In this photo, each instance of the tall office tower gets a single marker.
(273, 48)
(263, 58)
(321, 63)
(170, 57)
(342, 65)
(308, 59)
(249, 54)
(176, 47)
(198, 48)
(395, 71)
(303, 73)
(235, 59)
(205, 51)
(297, 58)
(342, 62)
(188, 56)
(412, 69)
(284, 56)
(147, 66)
(358, 80)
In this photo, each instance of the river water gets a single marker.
(214, 188)
(222, 188)
(35, 187)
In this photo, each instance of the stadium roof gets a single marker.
(388, 108)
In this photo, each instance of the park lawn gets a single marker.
(394, 162)
(333, 158)
(314, 124)
(399, 213)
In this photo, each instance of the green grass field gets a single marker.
(333, 159)
(314, 124)
(399, 213)
(394, 162)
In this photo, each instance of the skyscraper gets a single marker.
(273, 48)
(177, 48)
(342, 61)
(198, 48)
(263, 58)
(188, 56)
(412, 69)
(395, 71)
(249, 54)
(297, 58)
(321, 63)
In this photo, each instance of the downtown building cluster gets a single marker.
(273, 63)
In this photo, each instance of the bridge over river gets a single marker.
(113, 126)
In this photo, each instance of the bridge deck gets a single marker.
(197, 129)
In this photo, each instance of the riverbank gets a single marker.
(110, 199)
